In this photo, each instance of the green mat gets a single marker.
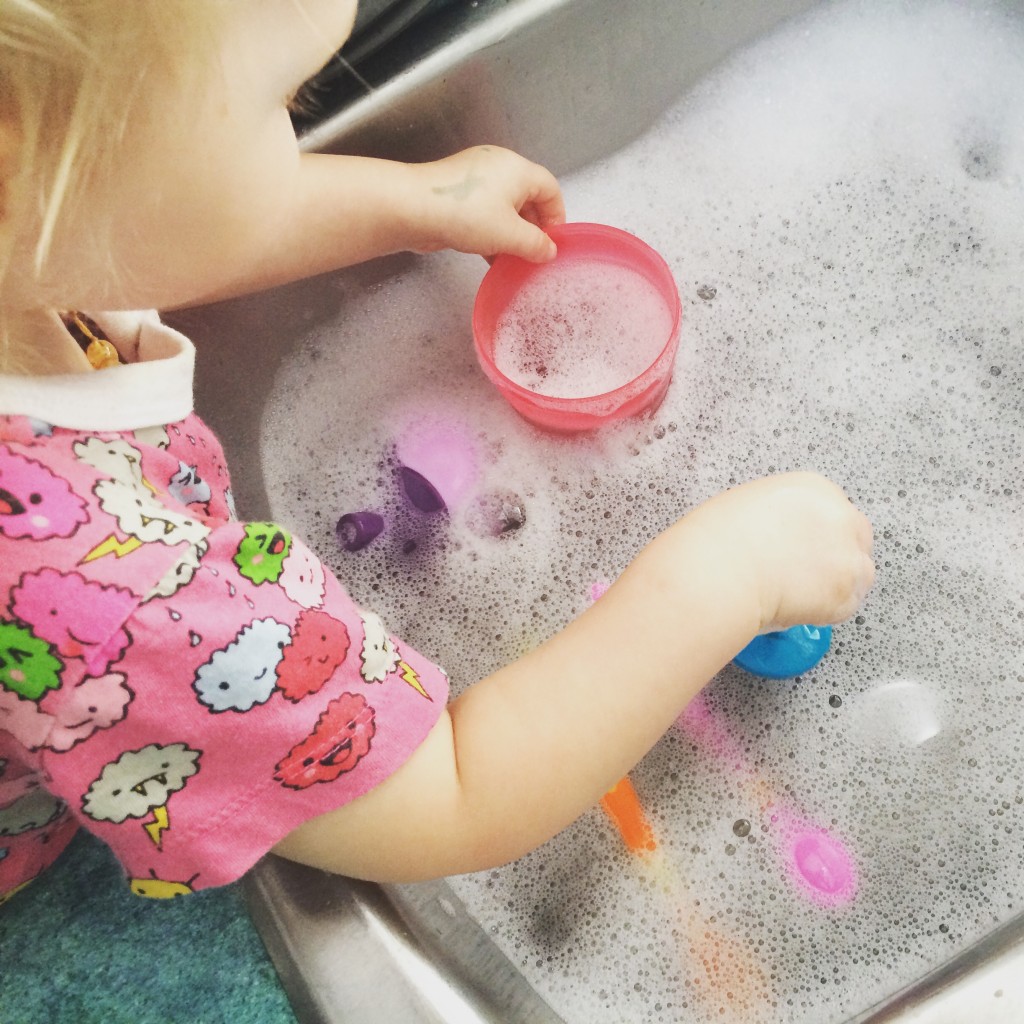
(76, 946)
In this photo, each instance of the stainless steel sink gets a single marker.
(570, 82)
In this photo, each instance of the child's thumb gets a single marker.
(533, 244)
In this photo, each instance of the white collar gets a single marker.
(152, 387)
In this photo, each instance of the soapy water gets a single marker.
(581, 328)
(815, 861)
(842, 207)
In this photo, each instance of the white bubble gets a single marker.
(900, 713)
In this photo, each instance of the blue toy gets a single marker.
(786, 653)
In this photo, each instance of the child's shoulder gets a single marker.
(181, 465)
(78, 502)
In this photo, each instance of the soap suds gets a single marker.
(581, 328)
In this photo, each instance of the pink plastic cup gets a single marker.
(589, 257)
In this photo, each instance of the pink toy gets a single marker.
(819, 863)
(441, 452)
(585, 340)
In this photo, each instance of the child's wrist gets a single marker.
(421, 210)
(705, 567)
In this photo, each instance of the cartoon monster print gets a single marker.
(80, 618)
(243, 674)
(122, 463)
(143, 520)
(339, 740)
(98, 702)
(39, 428)
(140, 783)
(180, 574)
(261, 553)
(116, 458)
(379, 656)
(24, 720)
(154, 888)
(303, 577)
(35, 503)
(27, 663)
(34, 810)
(154, 437)
(187, 487)
(319, 645)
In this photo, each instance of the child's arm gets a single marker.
(522, 754)
(344, 210)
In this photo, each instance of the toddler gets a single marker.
(196, 690)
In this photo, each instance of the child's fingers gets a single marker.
(529, 242)
(865, 533)
(543, 208)
(494, 201)
(546, 204)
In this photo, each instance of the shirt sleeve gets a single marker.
(250, 698)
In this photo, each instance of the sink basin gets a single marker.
(839, 191)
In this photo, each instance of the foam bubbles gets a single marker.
(583, 328)
(841, 206)
(901, 712)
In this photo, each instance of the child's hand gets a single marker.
(808, 548)
(489, 200)
(346, 209)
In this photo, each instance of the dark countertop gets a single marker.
(77, 946)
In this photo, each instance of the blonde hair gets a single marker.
(69, 73)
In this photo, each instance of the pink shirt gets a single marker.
(187, 687)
